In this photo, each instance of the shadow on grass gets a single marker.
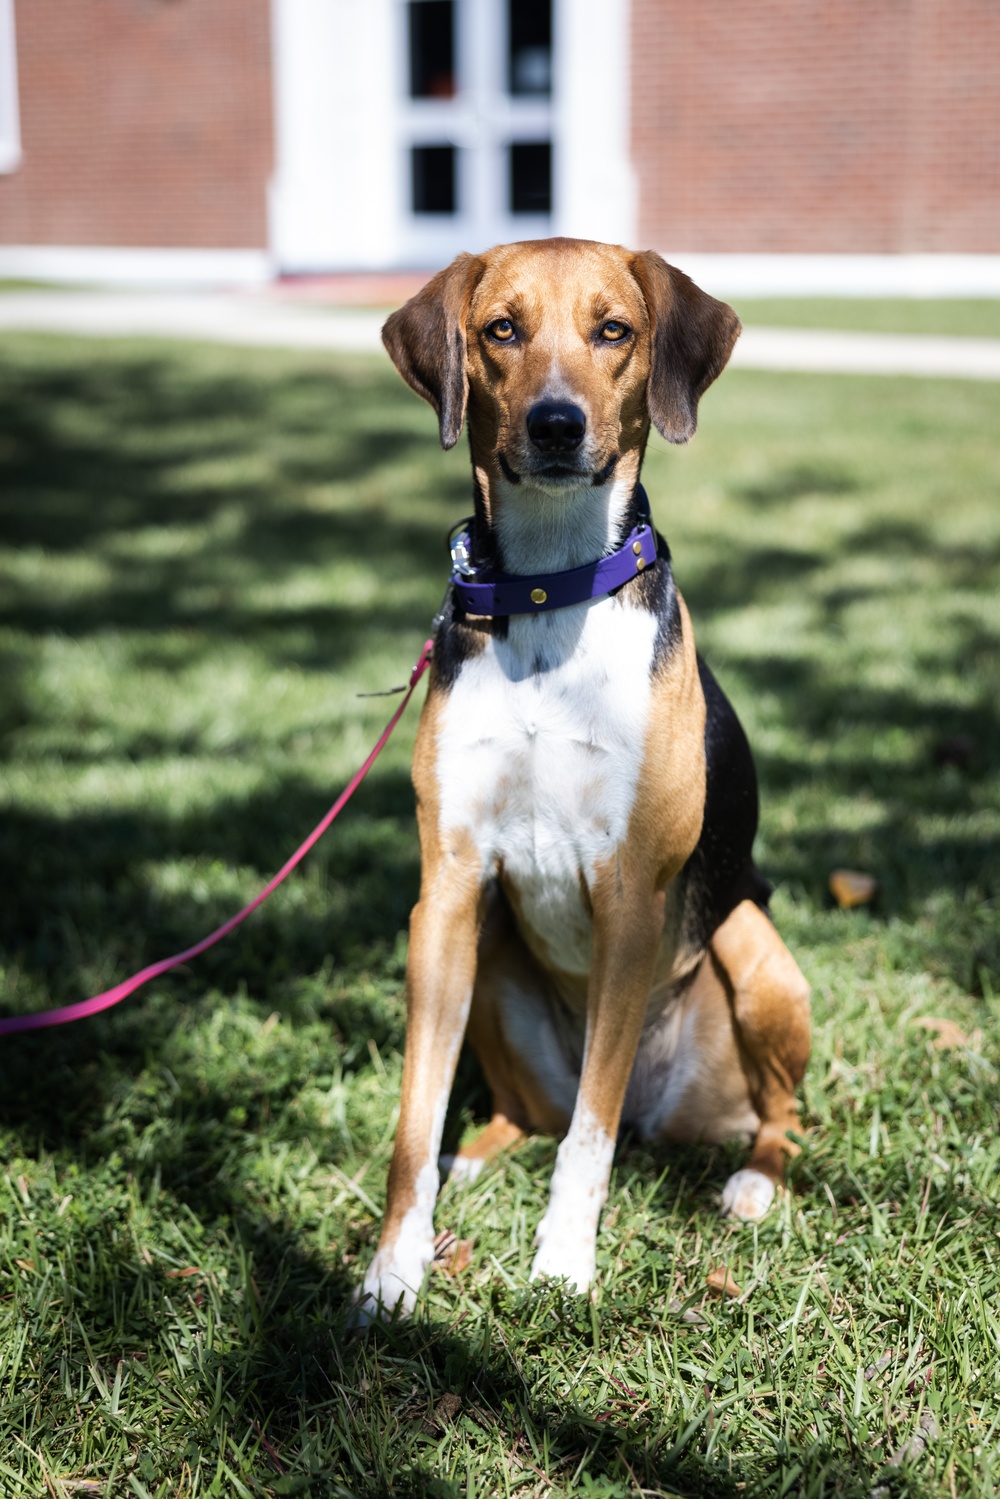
(924, 840)
(337, 1408)
(102, 462)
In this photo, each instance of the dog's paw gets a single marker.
(460, 1168)
(564, 1255)
(391, 1287)
(380, 1300)
(747, 1194)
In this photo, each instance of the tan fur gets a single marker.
(440, 973)
(470, 954)
(586, 285)
(770, 1008)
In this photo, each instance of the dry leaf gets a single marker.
(451, 1255)
(689, 1314)
(927, 1432)
(448, 1407)
(949, 1034)
(852, 887)
(721, 1282)
(25, 1264)
(445, 1410)
(878, 1365)
(183, 1274)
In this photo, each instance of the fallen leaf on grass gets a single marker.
(451, 1255)
(927, 1432)
(183, 1274)
(687, 1314)
(878, 1365)
(721, 1282)
(445, 1410)
(28, 1265)
(949, 1034)
(852, 887)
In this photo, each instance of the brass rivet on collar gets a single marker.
(637, 547)
(538, 595)
(639, 564)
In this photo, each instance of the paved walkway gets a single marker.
(278, 323)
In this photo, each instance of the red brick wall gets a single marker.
(143, 122)
(817, 125)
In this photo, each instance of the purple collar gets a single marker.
(486, 592)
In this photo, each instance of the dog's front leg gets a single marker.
(626, 936)
(440, 972)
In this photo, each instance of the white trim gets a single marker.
(10, 114)
(114, 266)
(595, 192)
(842, 275)
(332, 199)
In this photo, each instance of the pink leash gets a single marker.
(121, 991)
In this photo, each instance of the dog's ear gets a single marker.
(426, 342)
(692, 338)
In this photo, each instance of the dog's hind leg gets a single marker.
(770, 1007)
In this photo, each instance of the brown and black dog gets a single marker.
(590, 915)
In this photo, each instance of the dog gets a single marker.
(590, 916)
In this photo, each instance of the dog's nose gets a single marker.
(556, 426)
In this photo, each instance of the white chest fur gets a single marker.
(540, 750)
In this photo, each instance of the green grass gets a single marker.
(962, 317)
(205, 555)
(24, 283)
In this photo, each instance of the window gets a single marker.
(433, 177)
(531, 177)
(529, 29)
(475, 123)
(432, 49)
(10, 132)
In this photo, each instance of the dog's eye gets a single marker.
(502, 330)
(613, 332)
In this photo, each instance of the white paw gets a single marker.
(747, 1194)
(565, 1255)
(392, 1284)
(460, 1168)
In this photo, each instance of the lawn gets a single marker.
(962, 317)
(205, 555)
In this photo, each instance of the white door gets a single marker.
(477, 156)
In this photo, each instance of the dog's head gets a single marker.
(562, 352)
